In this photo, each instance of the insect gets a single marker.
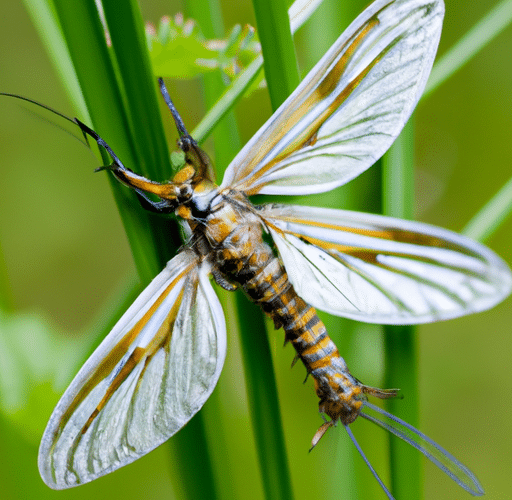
(162, 360)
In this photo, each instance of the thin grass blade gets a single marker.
(401, 358)
(491, 215)
(488, 28)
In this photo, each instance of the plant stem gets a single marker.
(280, 63)
(400, 341)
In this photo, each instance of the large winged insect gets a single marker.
(162, 360)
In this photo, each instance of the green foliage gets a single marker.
(29, 346)
(179, 50)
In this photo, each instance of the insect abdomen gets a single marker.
(337, 389)
(245, 258)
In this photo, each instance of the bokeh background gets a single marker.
(68, 266)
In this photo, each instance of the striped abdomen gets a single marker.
(335, 386)
(243, 257)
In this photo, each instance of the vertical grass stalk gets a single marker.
(279, 60)
(400, 341)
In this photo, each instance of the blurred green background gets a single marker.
(69, 265)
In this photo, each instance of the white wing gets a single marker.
(379, 269)
(150, 375)
(349, 109)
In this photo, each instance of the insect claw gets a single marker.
(295, 359)
(382, 393)
(306, 379)
(112, 166)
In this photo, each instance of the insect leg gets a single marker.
(158, 207)
(167, 190)
(222, 281)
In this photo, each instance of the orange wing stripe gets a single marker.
(119, 350)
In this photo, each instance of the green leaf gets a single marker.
(29, 348)
(179, 50)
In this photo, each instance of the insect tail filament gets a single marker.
(373, 471)
(434, 452)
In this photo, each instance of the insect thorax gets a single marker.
(235, 235)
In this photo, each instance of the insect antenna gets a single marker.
(194, 155)
(86, 131)
(51, 110)
(37, 103)
(174, 112)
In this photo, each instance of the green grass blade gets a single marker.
(264, 402)
(400, 341)
(491, 215)
(489, 27)
(281, 69)
(85, 38)
(45, 20)
(139, 93)
(227, 100)
(398, 176)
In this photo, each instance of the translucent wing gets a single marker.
(383, 270)
(349, 109)
(149, 376)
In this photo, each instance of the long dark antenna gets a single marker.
(86, 131)
(51, 110)
(177, 118)
(41, 105)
